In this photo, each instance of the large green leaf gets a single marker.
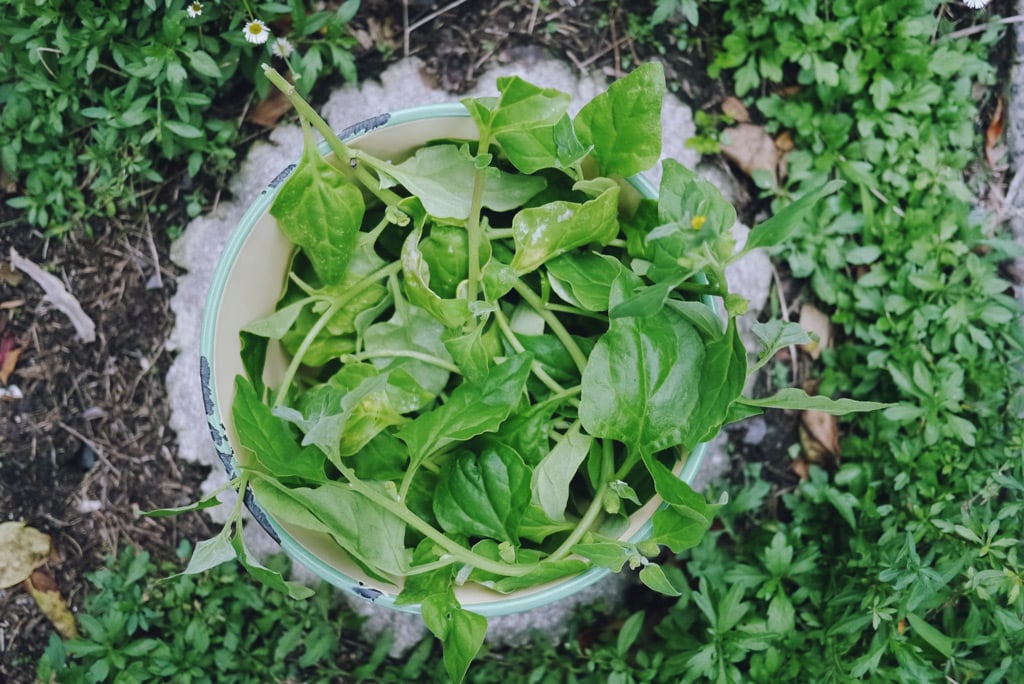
(271, 440)
(796, 399)
(442, 176)
(623, 124)
(642, 380)
(483, 494)
(460, 631)
(318, 209)
(554, 473)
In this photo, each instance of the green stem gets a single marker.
(459, 552)
(325, 317)
(429, 567)
(578, 357)
(593, 510)
(565, 308)
(402, 353)
(473, 230)
(535, 367)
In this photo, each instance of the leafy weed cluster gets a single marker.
(98, 99)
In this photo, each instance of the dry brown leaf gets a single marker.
(751, 148)
(269, 111)
(47, 595)
(814, 321)
(819, 437)
(9, 275)
(784, 142)
(9, 353)
(992, 135)
(802, 469)
(22, 550)
(56, 294)
(735, 109)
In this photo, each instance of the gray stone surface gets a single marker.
(199, 248)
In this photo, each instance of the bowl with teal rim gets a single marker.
(246, 286)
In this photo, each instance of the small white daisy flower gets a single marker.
(976, 4)
(194, 9)
(256, 32)
(282, 47)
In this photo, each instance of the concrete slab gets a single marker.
(197, 251)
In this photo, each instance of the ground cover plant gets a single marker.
(923, 584)
(100, 101)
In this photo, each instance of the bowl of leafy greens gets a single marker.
(463, 359)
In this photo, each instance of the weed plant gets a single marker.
(100, 101)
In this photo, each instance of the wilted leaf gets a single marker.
(751, 148)
(9, 353)
(819, 436)
(269, 111)
(47, 595)
(22, 550)
(56, 294)
(734, 108)
(814, 321)
(993, 150)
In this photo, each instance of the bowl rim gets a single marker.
(514, 602)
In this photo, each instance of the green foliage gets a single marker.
(196, 628)
(100, 101)
(918, 529)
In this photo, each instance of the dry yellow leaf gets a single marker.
(814, 321)
(47, 595)
(751, 148)
(22, 550)
(735, 109)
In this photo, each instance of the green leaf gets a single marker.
(547, 571)
(939, 641)
(483, 494)
(318, 209)
(461, 632)
(609, 555)
(210, 553)
(471, 410)
(655, 578)
(722, 377)
(442, 176)
(265, 575)
(689, 199)
(623, 124)
(796, 399)
(641, 382)
(275, 325)
(776, 335)
(583, 279)
(202, 63)
(533, 149)
(367, 530)
(629, 633)
(451, 311)
(554, 473)
(182, 129)
(779, 227)
(270, 440)
(541, 233)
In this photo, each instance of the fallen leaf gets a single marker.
(56, 294)
(751, 148)
(784, 141)
(994, 151)
(22, 550)
(47, 595)
(735, 109)
(802, 469)
(9, 353)
(819, 325)
(270, 110)
(9, 275)
(819, 437)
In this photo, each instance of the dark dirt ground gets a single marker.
(88, 447)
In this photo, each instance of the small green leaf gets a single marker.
(182, 129)
(654, 577)
(461, 632)
(779, 227)
(483, 494)
(210, 553)
(796, 399)
(939, 641)
(203, 64)
(552, 476)
(609, 555)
